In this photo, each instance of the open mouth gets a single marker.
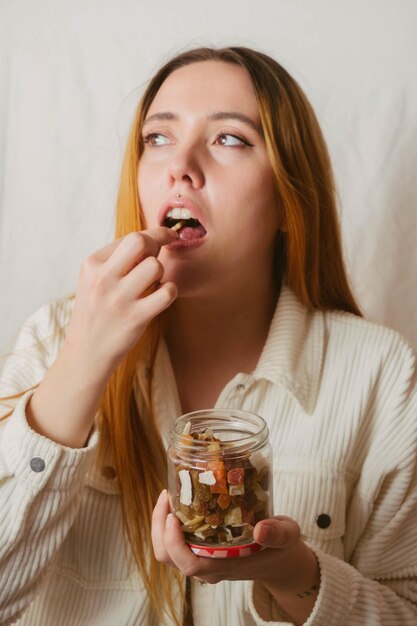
(185, 223)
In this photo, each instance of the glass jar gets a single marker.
(219, 480)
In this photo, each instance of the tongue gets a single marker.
(192, 233)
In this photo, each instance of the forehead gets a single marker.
(205, 87)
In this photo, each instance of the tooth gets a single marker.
(176, 214)
(179, 213)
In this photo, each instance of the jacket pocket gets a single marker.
(316, 497)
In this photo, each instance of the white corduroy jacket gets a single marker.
(339, 397)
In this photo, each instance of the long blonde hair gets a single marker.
(309, 252)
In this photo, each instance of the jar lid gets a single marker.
(225, 552)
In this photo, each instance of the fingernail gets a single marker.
(170, 520)
(266, 532)
(162, 496)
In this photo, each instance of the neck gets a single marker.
(217, 337)
(208, 323)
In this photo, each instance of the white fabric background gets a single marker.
(71, 72)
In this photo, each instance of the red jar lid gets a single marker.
(225, 552)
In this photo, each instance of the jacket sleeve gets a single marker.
(376, 585)
(40, 481)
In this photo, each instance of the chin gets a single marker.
(187, 290)
(189, 286)
(187, 278)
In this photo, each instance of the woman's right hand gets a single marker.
(114, 302)
(119, 292)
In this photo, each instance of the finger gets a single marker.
(161, 235)
(180, 554)
(135, 247)
(154, 237)
(159, 516)
(142, 277)
(277, 532)
(150, 306)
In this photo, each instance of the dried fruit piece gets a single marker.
(220, 486)
(258, 460)
(223, 500)
(201, 492)
(181, 517)
(207, 478)
(215, 519)
(248, 517)
(186, 494)
(233, 516)
(218, 468)
(194, 523)
(200, 507)
(212, 504)
(187, 511)
(263, 477)
(235, 476)
(219, 472)
(237, 490)
(260, 494)
(249, 500)
(202, 528)
(186, 440)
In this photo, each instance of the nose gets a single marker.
(186, 167)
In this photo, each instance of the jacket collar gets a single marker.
(293, 353)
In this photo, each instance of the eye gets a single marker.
(229, 140)
(156, 139)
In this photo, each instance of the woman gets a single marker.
(249, 306)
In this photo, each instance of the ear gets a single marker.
(282, 218)
(282, 228)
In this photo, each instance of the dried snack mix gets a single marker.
(219, 497)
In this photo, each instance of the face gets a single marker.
(203, 140)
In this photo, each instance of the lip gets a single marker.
(185, 244)
(181, 203)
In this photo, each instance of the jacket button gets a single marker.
(323, 520)
(37, 464)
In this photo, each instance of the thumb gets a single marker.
(277, 532)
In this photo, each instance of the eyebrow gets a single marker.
(216, 116)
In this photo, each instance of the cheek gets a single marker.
(144, 180)
(258, 187)
(259, 215)
(148, 192)
(252, 240)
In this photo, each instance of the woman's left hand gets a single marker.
(287, 566)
